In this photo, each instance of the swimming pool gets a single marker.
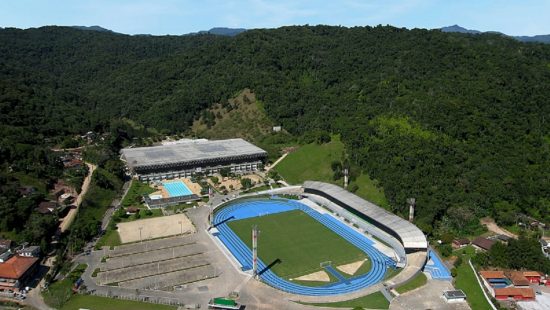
(177, 188)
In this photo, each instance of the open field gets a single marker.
(311, 162)
(153, 228)
(299, 242)
(372, 301)
(103, 303)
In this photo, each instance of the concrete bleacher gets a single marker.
(148, 246)
(150, 269)
(152, 256)
(243, 254)
(166, 281)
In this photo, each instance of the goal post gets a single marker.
(325, 264)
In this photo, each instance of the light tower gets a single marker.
(346, 178)
(255, 251)
(412, 204)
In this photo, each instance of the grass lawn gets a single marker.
(311, 162)
(110, 238)
(372, 301)
(466, 281)
(391, 272)
(298, 241)
(136, 190)
(142, 215)
(103, 303)
(60, 292)
(369, 190)
(418, 281)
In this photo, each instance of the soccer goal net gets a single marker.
(325, 264)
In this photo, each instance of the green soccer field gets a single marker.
(298, 241)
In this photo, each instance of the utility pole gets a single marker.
(255, 251)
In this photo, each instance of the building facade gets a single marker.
(182, 160)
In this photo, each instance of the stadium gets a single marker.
(318, 240)
(181, 159)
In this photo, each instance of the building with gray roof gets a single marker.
(182, 159)
(410, 236)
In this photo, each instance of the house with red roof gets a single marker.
(515, 293)
(16, 272)
(533, 276)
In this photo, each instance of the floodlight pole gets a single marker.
(255, 251)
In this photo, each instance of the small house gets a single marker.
(482, 243)
(132, 210)
(533, 276)
(460, 243)
(46, 207)
(518, 279)
(515, 294)
(31, 251)
(16, 272)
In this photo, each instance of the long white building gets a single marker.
(194, 156)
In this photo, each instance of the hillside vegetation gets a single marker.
(459, 122)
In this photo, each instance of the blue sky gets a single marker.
(161, 17)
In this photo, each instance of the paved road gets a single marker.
(115, 204)
(428, 296)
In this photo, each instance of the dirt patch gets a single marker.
(319, 276)
(351, 268)
(153, 228)
(493, 227)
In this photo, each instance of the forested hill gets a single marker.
(459, 122)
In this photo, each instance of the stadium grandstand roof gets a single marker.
(410, 235)
(189, 151)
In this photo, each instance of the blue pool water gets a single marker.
(177, 188)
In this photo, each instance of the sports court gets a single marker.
(335, 232)
(177, 188)
(153, 228)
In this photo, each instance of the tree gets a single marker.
(246, 183)
(225, 172)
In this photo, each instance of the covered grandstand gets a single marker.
(407, 240)
(183, 159)
(410, 236)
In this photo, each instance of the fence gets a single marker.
(481, 286)
(171, 301)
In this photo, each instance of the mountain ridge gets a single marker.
(543, 38)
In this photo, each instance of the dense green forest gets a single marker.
(459, 122)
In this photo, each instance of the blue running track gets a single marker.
(436, 268)
(254, 208)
